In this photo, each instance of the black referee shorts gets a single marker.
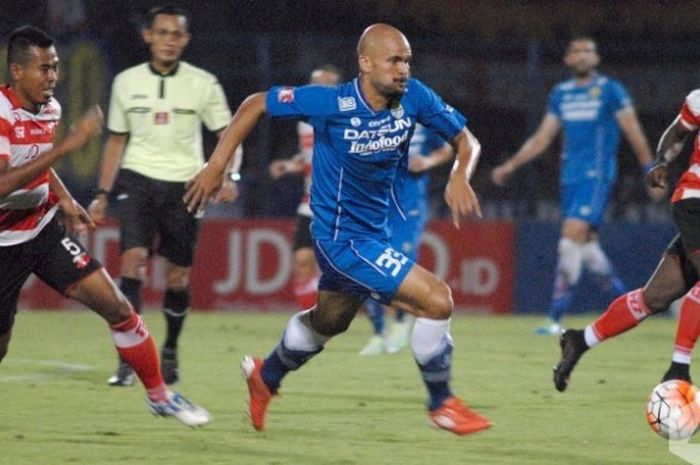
(152, 215)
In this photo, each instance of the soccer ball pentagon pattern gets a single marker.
(673, 409)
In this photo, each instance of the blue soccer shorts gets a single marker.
(586, 201)
(364, 268)
(405, 234)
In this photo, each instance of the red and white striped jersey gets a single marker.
(689, 184)
(305, 133)
(24, 136)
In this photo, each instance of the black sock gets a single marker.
(131, 288)
(175, 306)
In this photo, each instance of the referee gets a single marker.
(154, 146)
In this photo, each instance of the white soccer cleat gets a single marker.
(180, 408)
(375, 346)
(398, 336)
(549, 328)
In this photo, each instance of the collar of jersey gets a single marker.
(358, 91)
(168, 74)
(11, 96)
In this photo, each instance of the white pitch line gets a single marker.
(65, 368)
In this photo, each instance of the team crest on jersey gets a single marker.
(160, 117)
(347, 103)
(397, 112)
(595, 91)
(355, 121)
(285, 95)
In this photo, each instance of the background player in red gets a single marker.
(677, 272)
(34, 240)
(305, 269)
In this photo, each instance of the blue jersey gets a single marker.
(357, 151)
(591, 133)
(411, 189)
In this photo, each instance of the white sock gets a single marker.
(595, 259)
(299, 334)
(590, 336)
(429, 338)
(570, 259)
(681, 356)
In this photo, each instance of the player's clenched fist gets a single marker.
(87, 127)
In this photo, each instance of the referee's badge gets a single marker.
(160, 117)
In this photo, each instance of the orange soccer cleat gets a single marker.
(259, 393)
(456, 417)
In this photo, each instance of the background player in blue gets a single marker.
(362, 129)
(407, 219)
(590, 108)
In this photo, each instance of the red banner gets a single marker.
(246, 264)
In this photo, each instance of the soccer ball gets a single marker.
(673, 409)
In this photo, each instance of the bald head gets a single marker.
(378, 37)
(383, 55)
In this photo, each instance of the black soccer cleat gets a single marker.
(573, 345)
(169, 366)
(123, 377)
(679, 371)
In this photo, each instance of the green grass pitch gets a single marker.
(340, 409)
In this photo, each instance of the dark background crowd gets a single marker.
(494, 60)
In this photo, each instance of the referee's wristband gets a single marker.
(101, 191)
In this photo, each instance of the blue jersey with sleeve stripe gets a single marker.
(357, 150)
(591, 132)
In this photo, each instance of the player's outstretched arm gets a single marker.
(208, 180)
(670, 145)
(459, 195)
(87, 127)
(531, 149)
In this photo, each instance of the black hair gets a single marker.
(580, 38)
(328, 68)
(165, 10)
(21, 40)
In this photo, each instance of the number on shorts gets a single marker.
(392, 260)
(70, 246)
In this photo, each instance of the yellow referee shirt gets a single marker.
(163, 115)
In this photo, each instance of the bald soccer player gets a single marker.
(362, 131)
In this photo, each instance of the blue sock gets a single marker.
(281, 361)
(619, 287)
(436, 376)
(375, 312)
(560, 304)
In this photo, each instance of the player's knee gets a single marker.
(441, 303)
(134, 265)
(328, 325)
